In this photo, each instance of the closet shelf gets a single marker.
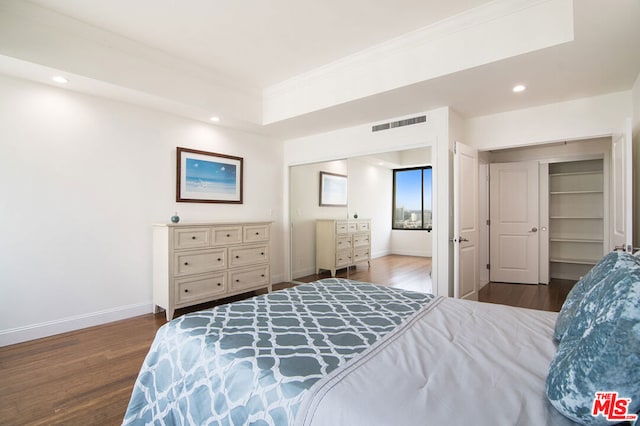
(577, 217)
(590, 172)
(576, 240)
(575, 261)
(574, 192)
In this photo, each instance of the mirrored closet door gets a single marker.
(333, 238)
(309, 208)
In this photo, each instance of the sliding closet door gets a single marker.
(514, 222)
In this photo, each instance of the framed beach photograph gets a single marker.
(208, 177)
(333, 190)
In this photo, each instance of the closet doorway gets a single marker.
(549, 210)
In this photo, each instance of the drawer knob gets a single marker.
(257, 233)
(237, 281)
(186, 263)
(262, 254)
(186, 290)
(193, 238)
(262, 275)
(219, 259)
(228, 235)
(237, 257)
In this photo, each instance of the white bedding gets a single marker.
(456, 362)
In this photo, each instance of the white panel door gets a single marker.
(465, 222)
(622, 190)
(513, 201)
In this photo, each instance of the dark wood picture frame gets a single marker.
(333, 190)
(208, 177)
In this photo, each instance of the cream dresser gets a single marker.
(196, 263)
(342, 243)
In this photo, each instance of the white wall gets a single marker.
(360, 140)
(412, 243)
(578, 119)
(370, 194)
(82, 179)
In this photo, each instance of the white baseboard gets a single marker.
(413, 253)
(77, 322)
(279, 278)
(302, 273)
(380, 253)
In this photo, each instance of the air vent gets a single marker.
(379, 127)
(394, 124)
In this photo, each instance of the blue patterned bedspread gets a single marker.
(250, 362)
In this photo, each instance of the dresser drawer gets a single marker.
(257, 276)
(343, 259)
(363, 226)
(352, 227)
(255, 233)
(186, 238)
(361, 240)
(245, 255)
(342, 227)
(360, 255)
(227, 235)
(199, 288)
(196, 262)
(343, 243)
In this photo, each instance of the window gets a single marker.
(412, 198)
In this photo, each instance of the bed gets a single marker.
(341, 352)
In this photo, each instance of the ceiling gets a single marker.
(258, 43)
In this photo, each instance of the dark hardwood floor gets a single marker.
(544, 297)
(85, 377)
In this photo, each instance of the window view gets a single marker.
(412, 198)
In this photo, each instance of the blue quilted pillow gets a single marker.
(575, 296)
(600, 351)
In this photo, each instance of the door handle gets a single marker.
(458, 240)
(534, 229)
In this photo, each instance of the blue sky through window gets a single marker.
(409, 187)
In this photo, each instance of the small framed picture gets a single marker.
(208, 177)
(333, 190)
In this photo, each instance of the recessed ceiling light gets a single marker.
(519, 88)
(215, 119)
(59, 79)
